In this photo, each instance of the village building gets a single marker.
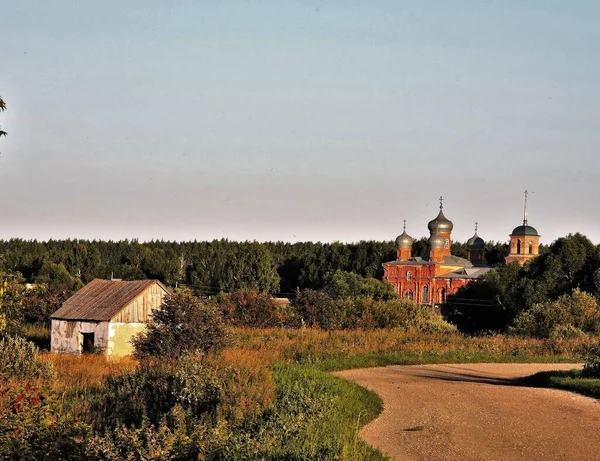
(105, 315)
(431, 278)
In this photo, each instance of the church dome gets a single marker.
(437, 241)
(404, 240)
(440, 224)
(525, 230)
(475, 243)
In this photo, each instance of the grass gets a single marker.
(280, 398)
(571, 380)
(37, 334)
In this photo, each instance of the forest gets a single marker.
(209, 268)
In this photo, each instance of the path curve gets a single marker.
(477, 412)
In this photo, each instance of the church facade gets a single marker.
(430, 279)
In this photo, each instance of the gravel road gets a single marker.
(477, 412)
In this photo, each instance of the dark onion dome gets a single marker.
(440, 224)
(437, 241)
(404, 240)
(525, 230)
(475, 243)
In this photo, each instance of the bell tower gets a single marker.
(524, 240)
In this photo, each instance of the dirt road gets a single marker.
(477, 412)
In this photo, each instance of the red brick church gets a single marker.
(429, 279)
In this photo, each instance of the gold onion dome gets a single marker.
(404, 240)
(437, 241)
(440, 224)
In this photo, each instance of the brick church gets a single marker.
(429, 279)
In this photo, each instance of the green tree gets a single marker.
(350, 285)
(183, 325)
(569, 315)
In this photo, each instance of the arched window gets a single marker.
(447, 243)
(530, 247)
(518, 247)
(409, 275)
(426, 294)
(409, 294)
(443, 295)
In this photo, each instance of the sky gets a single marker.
(298, 120)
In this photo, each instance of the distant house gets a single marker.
(104, 316)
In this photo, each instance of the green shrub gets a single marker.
(183, 325)
(569, 313)
(20, 359)
(318, 309)
(566, 332)
(31, 428)
(250, 308)
(591, 368)
(153, 390)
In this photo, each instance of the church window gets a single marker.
(409, 294)
(409, 275)
(446, 243)
(426, 294)
(518, 247)
(443, 295)
(530, 247)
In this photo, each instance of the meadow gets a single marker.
(276, 396)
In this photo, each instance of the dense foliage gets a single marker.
(209, 267)
(183, 325)
(493, 302)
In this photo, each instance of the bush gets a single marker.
(31, 428)
(591, 368)
(569, 313)
(250, 308)
(318, 309)
(153, 390)
(20, 359)
(184, 324)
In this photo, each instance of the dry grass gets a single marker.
(80, 372)
(311, 345)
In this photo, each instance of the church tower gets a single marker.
(442, 226)
(404, 244)
(524, 241)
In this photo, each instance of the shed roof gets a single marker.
(100, 300)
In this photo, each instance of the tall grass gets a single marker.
(278, 399)
(358, 348)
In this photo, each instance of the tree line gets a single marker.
(209, 267)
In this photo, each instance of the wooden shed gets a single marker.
(104, 315)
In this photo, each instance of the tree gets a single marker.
(569, 315)
(250, 308)
(183, 325)
(350, 285)
(317, 308)
(2, 109)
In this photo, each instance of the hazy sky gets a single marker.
(297, 120)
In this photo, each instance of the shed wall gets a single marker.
(139, 310)
(66, 335)
(119, 337)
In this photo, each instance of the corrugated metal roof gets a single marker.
(100, 300)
